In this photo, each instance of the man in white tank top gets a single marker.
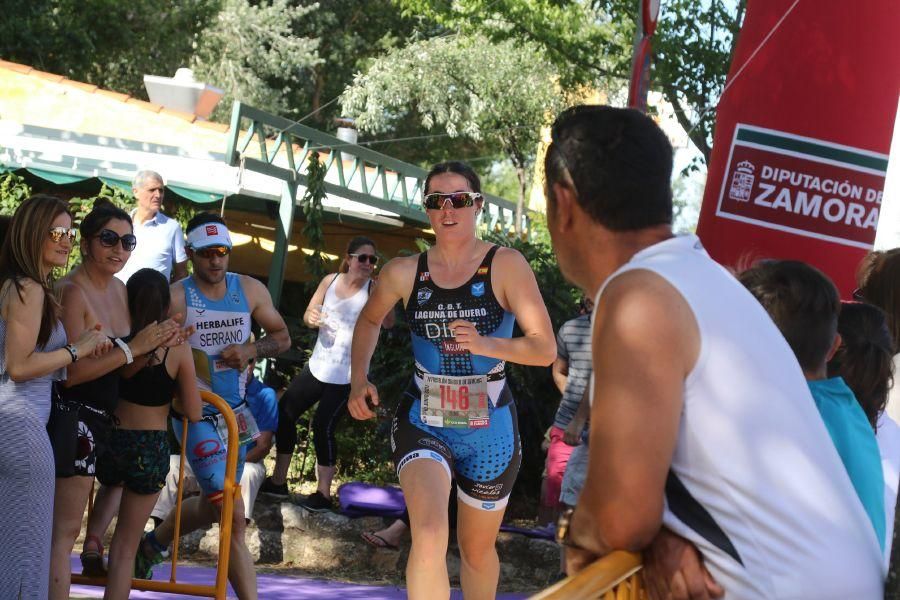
(701, 422)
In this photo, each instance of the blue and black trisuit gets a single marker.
(484, 459)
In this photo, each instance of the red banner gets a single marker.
(802, 135)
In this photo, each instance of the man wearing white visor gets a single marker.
(220, 306)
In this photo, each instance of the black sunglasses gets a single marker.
(438, 200)
(57, 233)
(207, 253)
(109, 238)
(363, 258)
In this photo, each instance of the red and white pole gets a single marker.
(640, 62)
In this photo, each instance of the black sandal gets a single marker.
(92, 560)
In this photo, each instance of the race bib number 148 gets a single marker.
(455, 401)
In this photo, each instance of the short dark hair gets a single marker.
(202, 219)
(802, 302)
(457, 167)
(619, 161)
(865, 357)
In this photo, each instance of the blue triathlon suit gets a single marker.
(219, 324)
(484, 460)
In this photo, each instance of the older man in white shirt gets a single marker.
(160, 239)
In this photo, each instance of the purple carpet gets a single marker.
(271, 587)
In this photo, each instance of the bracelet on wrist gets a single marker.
(72, 350)
(564, 529)
(123, 346)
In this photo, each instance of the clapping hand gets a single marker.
(92, 343)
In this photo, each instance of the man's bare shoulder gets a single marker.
(641, 309)
(257, 294)
(176, 289)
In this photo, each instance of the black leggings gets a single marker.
(305, 390)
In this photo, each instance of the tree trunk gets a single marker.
(520, 205)
(317, 95)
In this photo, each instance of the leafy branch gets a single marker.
(314, 216)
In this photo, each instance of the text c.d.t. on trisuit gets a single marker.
(458, 409)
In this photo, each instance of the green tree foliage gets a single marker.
(109, 43)
(314, 217)
(13, 191)
(590, 43)
(501, 93)
(350, 34)
(692, 54)
(245, 47)
(581, 40)
(249, 50)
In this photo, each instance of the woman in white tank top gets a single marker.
(325, 380)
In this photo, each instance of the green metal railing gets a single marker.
(281, 150)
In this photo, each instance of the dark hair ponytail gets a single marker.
(865, 357)
(148, 298)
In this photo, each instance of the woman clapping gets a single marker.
(35, 354)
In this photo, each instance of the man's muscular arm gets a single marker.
(276, 339)
(645, 343)
(269, 346)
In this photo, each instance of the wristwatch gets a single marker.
(563, 529)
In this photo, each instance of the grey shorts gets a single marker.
(573, 479)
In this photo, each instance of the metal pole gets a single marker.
(648, 12)
(286, 207)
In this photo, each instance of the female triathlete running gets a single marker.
(457, 419)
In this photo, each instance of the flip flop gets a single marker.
(92, 560)
(373, 539)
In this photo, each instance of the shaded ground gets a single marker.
(315, 551)
(272, 586)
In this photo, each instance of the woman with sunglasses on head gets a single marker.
(35, 354)
(333, 310)
(81, 421)
(457, 418)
